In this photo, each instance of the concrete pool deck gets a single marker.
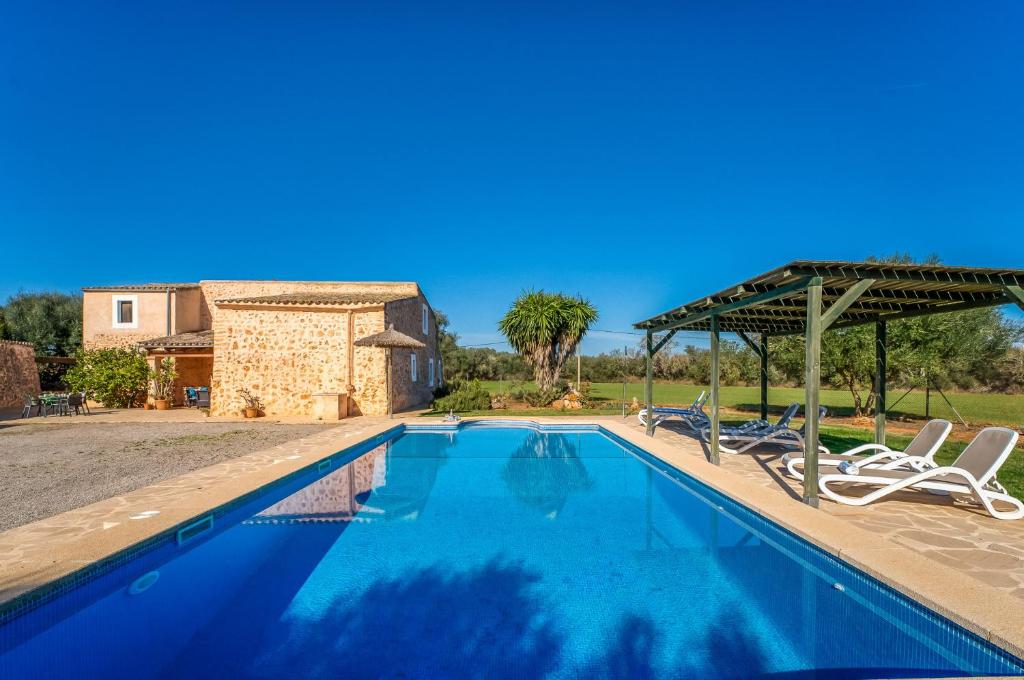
(955, 560)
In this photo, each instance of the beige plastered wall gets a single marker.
(97, 318)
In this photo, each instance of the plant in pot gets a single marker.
(253, 405)
(161, 382)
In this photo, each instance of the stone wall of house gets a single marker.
(224, 290)
(407, 317)
(19, 376)
(286, 355)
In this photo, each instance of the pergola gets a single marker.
(808, 297)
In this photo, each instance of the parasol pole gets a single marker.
(387, 380)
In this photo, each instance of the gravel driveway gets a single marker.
(49, 469)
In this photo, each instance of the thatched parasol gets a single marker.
(389, 340)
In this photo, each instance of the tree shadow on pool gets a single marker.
(639, 651)
(429, 623)
(726, 651)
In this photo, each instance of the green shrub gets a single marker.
(464, 396)
(542, 398)
(115, 377)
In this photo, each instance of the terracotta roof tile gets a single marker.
(141, 286)
(192, 339)
(305, 299)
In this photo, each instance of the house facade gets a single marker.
(285, 341)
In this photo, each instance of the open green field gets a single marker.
(976, 409)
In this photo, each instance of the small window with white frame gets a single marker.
(412, 366)
(426, 320)
(125, 312)
(430, 372)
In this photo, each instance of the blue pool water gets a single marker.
(487, 552)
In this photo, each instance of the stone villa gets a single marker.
(286, 341)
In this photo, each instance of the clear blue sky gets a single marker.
(641, 154)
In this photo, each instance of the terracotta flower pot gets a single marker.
(162, 404)
(251, 412)
(147, 406)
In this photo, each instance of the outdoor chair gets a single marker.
(31, 403)
(202, 398)
(918, 455)
(191, 396)
(757, 425)
(744, 438)
(76, 401)
(760, 424)
(971, 475)
(692, 417)
(60, 404)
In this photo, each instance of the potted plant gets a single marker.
(162, 383)
(253, 405)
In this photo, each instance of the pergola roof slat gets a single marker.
(775, 302)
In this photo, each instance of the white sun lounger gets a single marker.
(972, 474)
(781, 434)
(692, 417)
(918, 455)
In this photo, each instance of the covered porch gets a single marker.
(808, 297)
(193, 359)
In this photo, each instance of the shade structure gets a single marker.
(388, 340)
(808, 297)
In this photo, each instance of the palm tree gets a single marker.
(546, 328)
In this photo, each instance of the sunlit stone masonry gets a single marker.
(291, 343)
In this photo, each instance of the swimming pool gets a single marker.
(487, 551)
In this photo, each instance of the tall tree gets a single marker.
(546, 328)
(52, 322)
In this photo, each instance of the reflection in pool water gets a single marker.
(545, 470)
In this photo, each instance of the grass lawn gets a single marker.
(977, 409)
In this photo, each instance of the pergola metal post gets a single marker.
(812, 387)
(881, 363)
(763, 343)
(649, 384)
(715, 418)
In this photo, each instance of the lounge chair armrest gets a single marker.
(867, 447)
(901, 461)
